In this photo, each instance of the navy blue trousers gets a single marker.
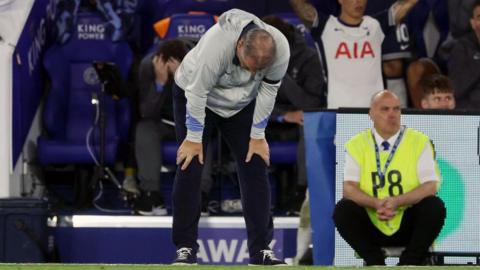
(253, 178)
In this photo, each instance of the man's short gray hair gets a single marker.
(260, 45)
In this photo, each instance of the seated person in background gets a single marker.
(459, 12)
(464, 65)
(438, 92)
(389, 171)
(155, 125)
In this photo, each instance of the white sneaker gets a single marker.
(150, 203)
(156, 211)
(232, 206)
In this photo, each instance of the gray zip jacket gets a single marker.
(211, 77)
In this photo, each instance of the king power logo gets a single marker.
(91, 31)
(225, 251)
(193, 31)
(36, 49)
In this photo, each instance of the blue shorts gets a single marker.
(396, 44)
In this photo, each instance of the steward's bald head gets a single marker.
(385, 113)
(377, 97)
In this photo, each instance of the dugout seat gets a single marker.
(283, 152)
(68, 113)
(169, 7)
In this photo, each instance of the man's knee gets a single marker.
(415, 68)
(432, 206)
(345, 209)
(393, 68)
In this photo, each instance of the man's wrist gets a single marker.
(195, 137)
(257, 133)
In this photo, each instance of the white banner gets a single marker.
(13, 15)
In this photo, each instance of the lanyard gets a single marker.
(381, 173)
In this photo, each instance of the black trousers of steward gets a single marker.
(420, 225)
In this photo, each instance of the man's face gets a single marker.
(439, 100)
(248, 63)
(385, 114)
(164, 70)
(475, 20)
(353, 8)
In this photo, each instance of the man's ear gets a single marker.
(240, 43)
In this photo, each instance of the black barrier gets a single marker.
(23, 230)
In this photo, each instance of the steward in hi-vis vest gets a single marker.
(400, 176)
(390, 181)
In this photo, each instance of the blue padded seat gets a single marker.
(283, 152)
(68, 112)
(169, 152)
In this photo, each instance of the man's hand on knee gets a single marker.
(259, 147)
(187, 151)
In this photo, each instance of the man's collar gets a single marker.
(379, 139)
(348, 24)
